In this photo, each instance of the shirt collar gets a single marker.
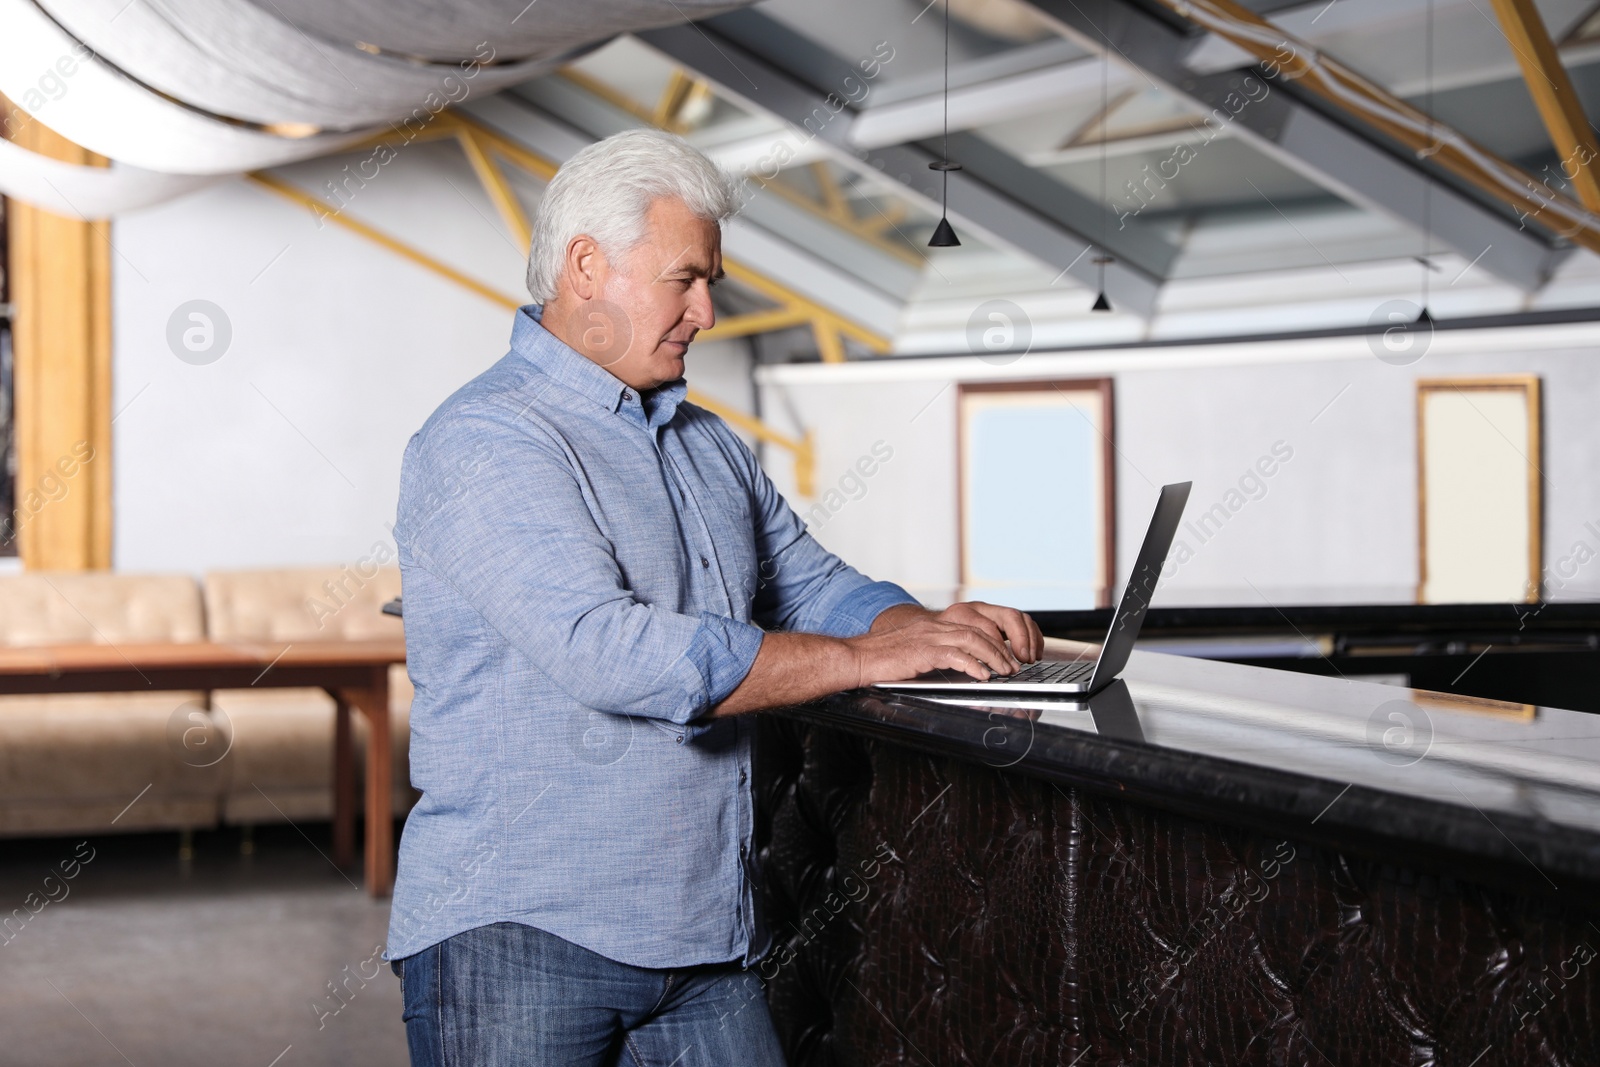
(531, 341)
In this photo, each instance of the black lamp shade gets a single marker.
(1101, 303)
(944, 236)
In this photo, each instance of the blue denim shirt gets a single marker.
(586, 570)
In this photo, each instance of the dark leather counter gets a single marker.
(1206, 864)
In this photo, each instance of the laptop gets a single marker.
(1083, 676)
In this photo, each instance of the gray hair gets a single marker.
(606, 189)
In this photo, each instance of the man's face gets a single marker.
(656, 298)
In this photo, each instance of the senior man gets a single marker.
(599, 580)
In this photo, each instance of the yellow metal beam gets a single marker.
(869, 229)
(829, 346)
(779, 318)
(680, 90)
(887, 218)
(1551, 89)
(1094, 126)
(441, 127)
(535, 164)
(475, 146)
(803, 448)
(789, 302)
(672, 100)
(377, 236)
(481, 144)
(778, 293)
(595, 87)
(833, 201)
(1294, 60)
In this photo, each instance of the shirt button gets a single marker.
(704, 562)
(741, 852)
(742, 777)
(627, 395)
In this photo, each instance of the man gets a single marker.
(598, 581)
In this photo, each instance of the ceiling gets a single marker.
(1094, 154)
(1064, 150)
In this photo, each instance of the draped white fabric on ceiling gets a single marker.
(216, 87)
(88, 192)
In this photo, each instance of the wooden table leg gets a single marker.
(373, 702)
(344, 784)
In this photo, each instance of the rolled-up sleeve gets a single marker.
(517, 542)
(855, 613)
(724, 650)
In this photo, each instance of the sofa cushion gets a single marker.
(282, 761)
(75, 762)
(281, 765)
(302, 604)
(98, 607)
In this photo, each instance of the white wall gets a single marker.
(286, 450)
(1336, 521)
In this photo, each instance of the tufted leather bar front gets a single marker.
(953, 908)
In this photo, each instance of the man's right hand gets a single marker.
(924, 642)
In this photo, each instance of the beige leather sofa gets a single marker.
(73, 763)
(283, 738)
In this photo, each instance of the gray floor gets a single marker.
(224, 959)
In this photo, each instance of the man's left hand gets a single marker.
(1000, 623)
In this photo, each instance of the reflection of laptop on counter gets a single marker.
(1084, 676)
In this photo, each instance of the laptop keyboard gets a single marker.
(1048, 672)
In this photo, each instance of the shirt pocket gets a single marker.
(734, 537)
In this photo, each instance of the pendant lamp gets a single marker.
(944, 235)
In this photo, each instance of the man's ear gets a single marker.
(585, 267)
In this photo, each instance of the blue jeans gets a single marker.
(511, 994)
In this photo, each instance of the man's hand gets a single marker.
(1018, 628)
(904, 641)
(907, 640)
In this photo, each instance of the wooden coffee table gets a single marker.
(354, 673)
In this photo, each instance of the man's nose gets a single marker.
(701, 313)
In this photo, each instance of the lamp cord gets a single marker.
(944, 192)
(1105, 106)
(1427, 185)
